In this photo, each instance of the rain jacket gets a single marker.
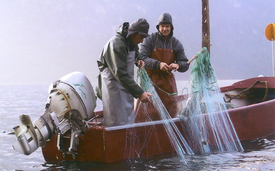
(114, 56)
(149, 43)
(156, 49)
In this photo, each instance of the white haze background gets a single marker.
(41, 41)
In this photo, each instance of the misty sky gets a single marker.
(41, 41)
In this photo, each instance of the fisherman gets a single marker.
(162, 54)
(116, 64)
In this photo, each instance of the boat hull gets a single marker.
(141, 140)
(105, 145)
(254, 121)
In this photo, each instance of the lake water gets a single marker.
(31, 99)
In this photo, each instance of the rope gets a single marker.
(231, 97)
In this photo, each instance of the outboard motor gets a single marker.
(71, 102)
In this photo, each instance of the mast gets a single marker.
(205, 25)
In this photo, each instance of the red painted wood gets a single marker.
(250, 122)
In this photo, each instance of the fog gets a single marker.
(41, 41)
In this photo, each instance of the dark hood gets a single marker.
(123, 29)
(141, 26)
(165, 18)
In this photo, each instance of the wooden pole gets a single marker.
(205, 25)
(194, 57)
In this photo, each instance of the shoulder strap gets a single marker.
(156, 43)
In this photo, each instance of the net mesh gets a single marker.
(177, 140)
(208, 124)
(207, 127)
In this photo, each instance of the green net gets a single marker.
(177, 140)
(208, 124)
(205, 123)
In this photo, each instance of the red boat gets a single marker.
(253, 118)
(62, 133)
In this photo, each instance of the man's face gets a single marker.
(165, 30)
(136, 39)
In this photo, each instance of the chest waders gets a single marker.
(165, 85)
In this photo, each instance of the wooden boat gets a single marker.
(253, 118)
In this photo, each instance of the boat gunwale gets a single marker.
(150, 123)
(244, 84)
(140, 124)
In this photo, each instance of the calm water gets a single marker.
(16, 100)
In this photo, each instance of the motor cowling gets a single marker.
(71, 102)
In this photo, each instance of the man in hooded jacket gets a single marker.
(116, 64)
(162, 53)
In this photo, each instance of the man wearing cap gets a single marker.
(163, 53)
(116, 64)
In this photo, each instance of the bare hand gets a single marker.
(140, 64)
(145, 97)
(164, 67)
(174, 67)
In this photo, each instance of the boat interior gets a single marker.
(248, 92)
(239, 94)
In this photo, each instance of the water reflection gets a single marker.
(258, 155)
(259, 144)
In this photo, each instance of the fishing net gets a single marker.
(176, 138)
(205, 126)
(206, 119)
